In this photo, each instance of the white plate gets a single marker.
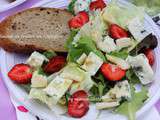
(8, 60)
(6, 4)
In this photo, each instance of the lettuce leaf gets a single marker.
(71, 6)
(49, 54)
(118, 14)
(131, 77)
(129, 108)
(120, 54)
(68, 43)
(84, 45)
(152, 7)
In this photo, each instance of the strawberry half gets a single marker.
(150, 56)
(20, 73)
(55, 64)
(78, 104)
(79, 20)
(117, 32)
(112, 72)
(98, 4)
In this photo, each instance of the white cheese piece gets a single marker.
(81, 59)
(54, 75)
(123, 43)
(106, 105)
(137, 29)
(107, 45)
(120, 90)
(123, 64)
(73, 72)
(107, 98)
(74, 87)
(92, 63)
(141, 68)
(38, 80)
(40, 95)
(36, 59)
(57, 88)
(86, 84)
(81, 5)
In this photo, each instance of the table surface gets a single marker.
(7, 110)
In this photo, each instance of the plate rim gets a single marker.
(11, 5)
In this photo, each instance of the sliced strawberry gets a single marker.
(80, 94)
(98, 4)
(117, 32)
(79, 20)
(55, 64)
(112, 72)
(78, 104)
(20, 73)
(149, 54)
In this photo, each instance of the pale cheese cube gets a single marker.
(120, 90)
(36, 59)
(141, 68)
(38, 80)
(92, 63)
(107, 45)
(123, 43)
(81, 59)
(57, 88)
(106, 105)
(137, 29)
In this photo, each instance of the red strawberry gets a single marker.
(112, 72)
(117, 32)
(78, 104)
(79, 20)
(98, 4)
(20, 73)
(149, 54)
(55, 64)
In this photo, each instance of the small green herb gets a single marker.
(101, 88)
(71, 6)
(131, 76)
(101, 85)
(68, 43)
(120, 54)
(95, 99)
(41, 72)
(67, 96)
(49, 54)
(27, 87)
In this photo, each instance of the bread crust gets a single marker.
(10, 45)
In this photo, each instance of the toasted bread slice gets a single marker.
(35, 29)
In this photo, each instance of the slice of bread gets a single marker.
(35, 29)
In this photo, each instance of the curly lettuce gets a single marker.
(151, 7)
(129, 108)
(84, 45)
(117, 14)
